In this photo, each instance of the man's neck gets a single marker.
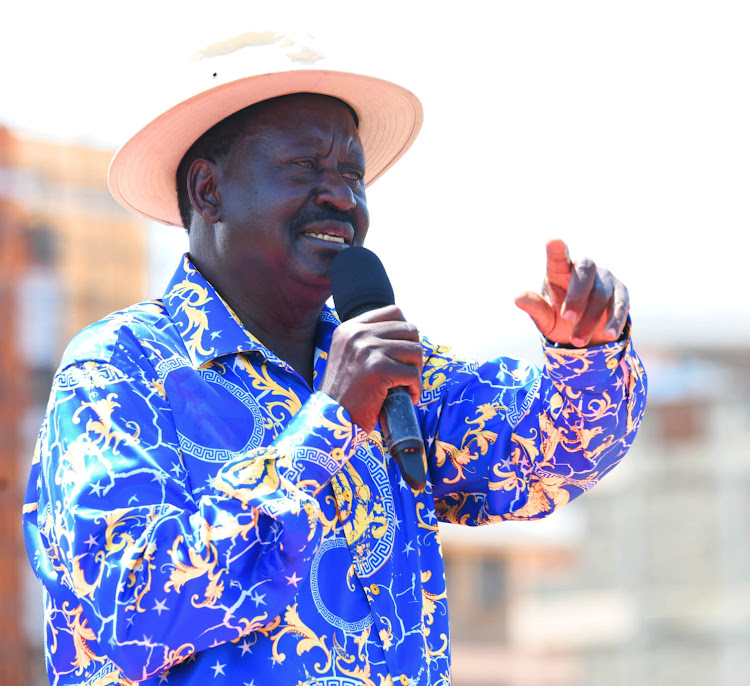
(286, 326)
(290, 336)
(280, 312)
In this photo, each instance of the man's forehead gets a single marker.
(299, 105)
(304, 118)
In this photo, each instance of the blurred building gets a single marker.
(646, 579)
(69, 255)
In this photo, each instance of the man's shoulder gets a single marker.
(120, 332)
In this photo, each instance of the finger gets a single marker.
(380, 314)
(404, 352)
(559, 266)
(589, 326)
(540, 311)
(409, 376)
(582, 280)
(394, 330)
(618, 311)
(389, 329)
(386, 322)
(375, 347)
(388, 371)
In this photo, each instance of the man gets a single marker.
(211, 500)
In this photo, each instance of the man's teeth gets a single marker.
(326, 237)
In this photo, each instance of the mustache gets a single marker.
(320, 214)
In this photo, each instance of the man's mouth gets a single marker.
(331, 238)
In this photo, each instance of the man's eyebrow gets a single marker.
(313, 140)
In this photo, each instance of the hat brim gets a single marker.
(142, 174)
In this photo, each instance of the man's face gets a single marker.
(292, 194)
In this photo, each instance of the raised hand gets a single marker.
(580, 304)
(369, 355)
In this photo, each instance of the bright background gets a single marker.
(620, 127)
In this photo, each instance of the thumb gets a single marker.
(538, 309)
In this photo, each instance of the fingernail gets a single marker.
(570, 315)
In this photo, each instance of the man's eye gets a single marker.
(353, 174)
(307, 164)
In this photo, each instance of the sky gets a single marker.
(623, 128)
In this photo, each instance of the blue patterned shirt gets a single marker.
(198, 514)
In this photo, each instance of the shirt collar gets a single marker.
(210, 329)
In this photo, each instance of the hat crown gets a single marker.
(264, 52)
(291, 48)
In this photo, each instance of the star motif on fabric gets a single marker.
(215, 335)
(407, 548)
(160, 606)
(176, 468)
(259, 599)
(91, 540)
(218, 669)
(246, 647)
(160, 476)
(163, 677)
(97, 488)
(293, 580)
(402, 483)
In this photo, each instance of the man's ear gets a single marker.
(202, 190)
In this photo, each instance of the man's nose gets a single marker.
(334, 190)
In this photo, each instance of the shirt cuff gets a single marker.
(582, 368)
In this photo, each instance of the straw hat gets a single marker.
(142, 172)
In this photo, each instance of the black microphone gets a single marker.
(359, 284)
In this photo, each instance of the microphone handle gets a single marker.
(398, 419)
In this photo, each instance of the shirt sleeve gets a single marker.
(507, 440)
(142, 572)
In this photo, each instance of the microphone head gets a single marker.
(359, 283)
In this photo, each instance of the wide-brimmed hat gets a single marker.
(231, 75)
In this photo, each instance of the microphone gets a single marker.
(359, 284)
